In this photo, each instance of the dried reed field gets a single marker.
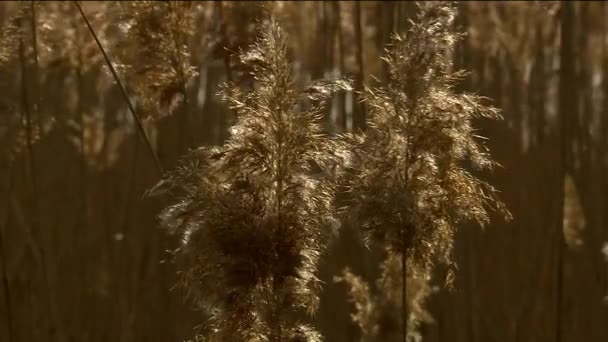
(303, 171)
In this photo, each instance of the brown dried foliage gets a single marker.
(408, 186)
(408, 182)
(157, 56)
(376, 308)
(257, 211)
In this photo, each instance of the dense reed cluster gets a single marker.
(255, 219)
(254, 213)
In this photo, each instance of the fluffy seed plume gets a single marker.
(409, 183)
(257, 211)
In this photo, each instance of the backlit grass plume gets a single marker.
(257, 210)
(375, 306)
(409, 184)
(157, 53)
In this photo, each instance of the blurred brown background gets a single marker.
(81, 251)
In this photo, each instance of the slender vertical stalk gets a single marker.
(541, 83)
(604, 131)
(3, 255)
(404, 308)
(385, 24)
(219, 8)
(586, 113)
(404, 233)
(342, 119)
(465, 60)
(325, 29)
(397, 17)
(25, 98)
(279, 228)
(182, 134)
(80, 113)
(405, 311)
(358, 113)
(330, 60)
(84, 188)
(32, 173)
(123, 91)
(567, 109)
(36, 68)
